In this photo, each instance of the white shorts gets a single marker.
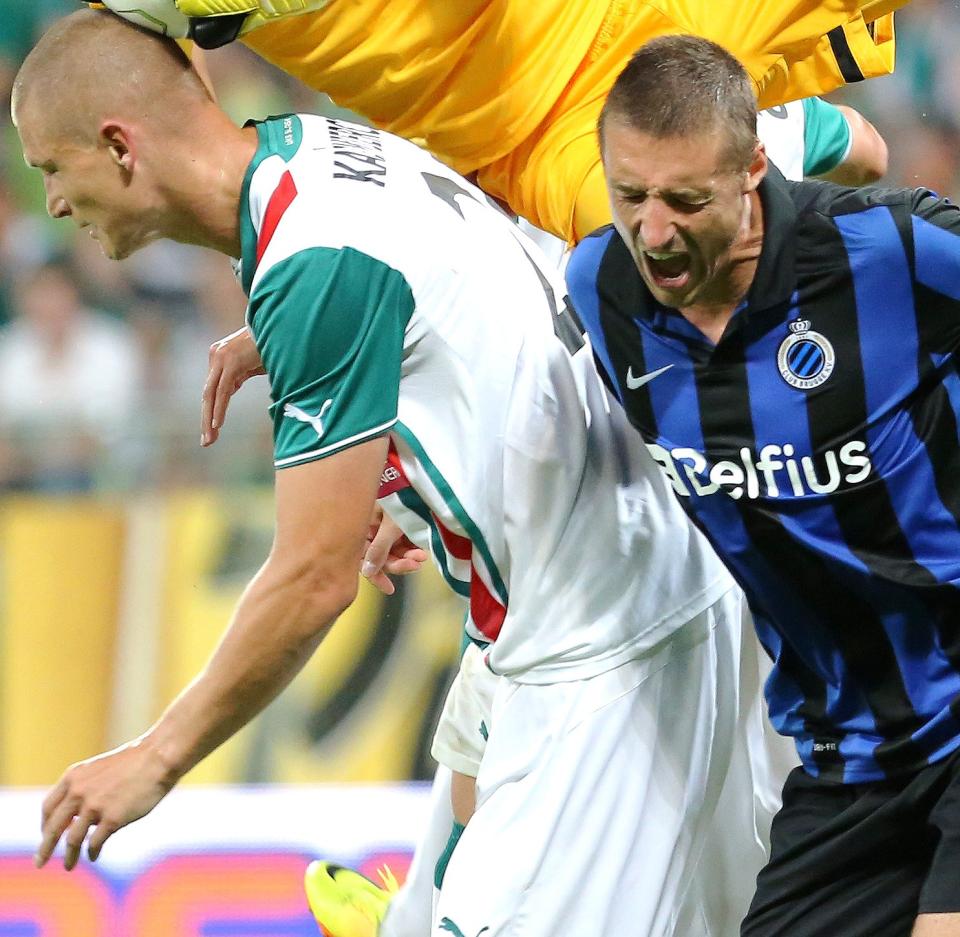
(595, 798)
(738, 838)
(464, 723)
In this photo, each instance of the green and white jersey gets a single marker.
(805, 138)
(388, 296)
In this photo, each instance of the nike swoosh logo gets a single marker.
(634, 382)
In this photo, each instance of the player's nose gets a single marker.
(657, 228)
(57, 206)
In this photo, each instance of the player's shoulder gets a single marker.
(332, 154)
(319, 182)
(592, 257)
(877, 224)
(837, 201)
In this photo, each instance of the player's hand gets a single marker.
(389, 550)
(101, 795)
(233, 360)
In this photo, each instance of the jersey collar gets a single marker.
(775, 277)
(280, 136)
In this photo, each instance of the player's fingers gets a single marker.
(382, 581)
(379, 549)
(407, 551)
(53, 829)
(404, 565)
(73, 842)
(228, 386)
(105, 829)
(52, 800)
(207, 399)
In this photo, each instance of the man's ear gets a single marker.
(116, 137)
(757, 169)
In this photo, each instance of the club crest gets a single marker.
(805, 358)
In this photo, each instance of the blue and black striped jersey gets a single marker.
(816, 444)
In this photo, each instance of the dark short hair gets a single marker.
(677, 86)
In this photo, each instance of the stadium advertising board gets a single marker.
(209, 862)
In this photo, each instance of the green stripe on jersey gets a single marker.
(277, 136)
(826, 137)
(456, 508)
(413, 502)
(329, 324)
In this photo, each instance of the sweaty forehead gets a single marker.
(634, 159)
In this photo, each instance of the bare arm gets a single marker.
(310, 577)
(867, 160)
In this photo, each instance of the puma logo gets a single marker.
(316, 422)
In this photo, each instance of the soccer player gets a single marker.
(787, 350)
(614, 627)
(510, 90)
(809, 136)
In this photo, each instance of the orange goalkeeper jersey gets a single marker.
(511, 89)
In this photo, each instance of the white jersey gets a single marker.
(387, 295)
(804, 138)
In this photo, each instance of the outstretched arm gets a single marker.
(310, 577)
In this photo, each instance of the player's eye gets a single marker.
(688, 204)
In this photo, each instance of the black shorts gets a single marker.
(860, 860)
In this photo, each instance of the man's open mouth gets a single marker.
(668, 269)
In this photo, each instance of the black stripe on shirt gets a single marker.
(865, 516)
(849, 68)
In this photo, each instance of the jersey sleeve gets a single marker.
(935, 226)
(329, 324)
(826, 137)
(794, 49)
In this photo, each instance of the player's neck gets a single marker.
(712, 313)
(205, 201)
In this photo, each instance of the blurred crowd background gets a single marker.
(123, 544)
(101, 364)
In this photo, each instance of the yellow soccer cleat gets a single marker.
(346, 903)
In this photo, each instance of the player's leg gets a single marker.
(410, 912)
(459, 743)
(874, 855)
(594, 796)
(739, 834)
(937, 925)
(345, 903)
(940, 897)
(458, 747)
(838, 854)
(463, 796)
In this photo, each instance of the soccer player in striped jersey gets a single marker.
(398, 312)
(511, 89)
(787, 350)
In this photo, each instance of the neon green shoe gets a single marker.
(346, 903)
